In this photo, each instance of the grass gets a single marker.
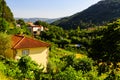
(58, 52)
(79, 55)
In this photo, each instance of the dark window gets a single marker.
(25, 52)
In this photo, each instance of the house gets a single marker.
(35, 29)
(18, 25)
(37, 50)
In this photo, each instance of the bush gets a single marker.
(22, 69)
(5, 43)
(29, 69)
(85, 64)
(69, 74)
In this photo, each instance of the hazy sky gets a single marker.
(47, 8)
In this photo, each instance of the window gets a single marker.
(25, 52)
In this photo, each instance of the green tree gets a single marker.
(7, 14)
(11, 68)
(5, 43)
(41, 23)
(4, 25)
(68, 60)
(63, 42)
(29, 69)
(106, 46)
(21, 22)
(52, 34)
(69, 74)
(84, 64)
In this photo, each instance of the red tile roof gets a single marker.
(20, 42)
(36, 26)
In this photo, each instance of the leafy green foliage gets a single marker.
(25, 68)
(69, 74)
(7, 14)
(29, 68)
(41, 23)
(103, 68)
(57, 62)
(106, 46)
(20, 22)
(19, 30)
(4, 25)
(84, 64)
(5, 43)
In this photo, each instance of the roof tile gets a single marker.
(20, 42)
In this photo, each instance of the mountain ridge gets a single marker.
(48, 20)
(97, 14)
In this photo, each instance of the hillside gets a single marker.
(8, 15)
(98, 14)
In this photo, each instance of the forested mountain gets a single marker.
(97, 14)
(8, 15)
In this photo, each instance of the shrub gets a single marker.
(85, 64)
(5, 43)
(69, 74)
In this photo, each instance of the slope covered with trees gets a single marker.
(100, 61)
(97, 14)
(6, 13)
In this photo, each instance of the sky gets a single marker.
(47, 8)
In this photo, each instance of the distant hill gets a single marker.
(48, 20)
(97, 14)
